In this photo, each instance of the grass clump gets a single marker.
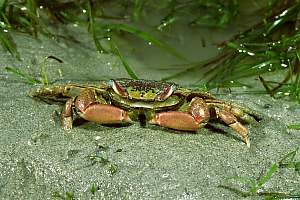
(271, 45)
(101, 157)
(44, 17)
(33, 79)
(69, 195)
(249, 186)
(23, 75)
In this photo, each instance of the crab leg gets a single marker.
(92, 107)
(105, 114)
(199, 113)
(233, 122)
(67, 115)
(197, 116)
(243, 113)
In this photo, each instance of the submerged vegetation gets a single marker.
(255, 186)
(267, 49)
(271, 44)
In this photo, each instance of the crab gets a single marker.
(166, 104)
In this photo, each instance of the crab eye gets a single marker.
(118, 88)
(168, 90)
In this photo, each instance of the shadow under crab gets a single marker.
(156, 102)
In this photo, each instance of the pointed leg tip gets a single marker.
(247, 141)
(67, 123)
(67, 128)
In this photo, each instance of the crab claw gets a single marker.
(90, 109)
(175, 120)
(105, 114)
(197, 116)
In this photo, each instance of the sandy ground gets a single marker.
(40, 161)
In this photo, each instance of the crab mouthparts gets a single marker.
(142, 119)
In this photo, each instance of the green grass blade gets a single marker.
(294, 126)
(138, 8)
(282, 18)
(278, 195)
(247, 181)
(129, 70)
(44, 74)
(167, 21)
(34, 19)
(297, 167)
(31, 5)
(94, 189)
(289, 157)
(29, 79)
(8, 44)
(2, 5)
(70, 195)
(236, 190)
(92, 30)
(265, 178)
(113, 169)
(145, 36)
(288, 161)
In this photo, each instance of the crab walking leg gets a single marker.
(232, 121)
(67, 115)
(243, 113)
(197, 116)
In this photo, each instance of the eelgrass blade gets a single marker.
(266, 86)
(294, 126)
(204, 64)
(92, 30)
(44, 74)
(283, 17)
(289, 157)
(278, 195)
(297, 167)
(34, 20)
(138, 8)
(288, 161)
(2, 5)
(29, 79)
(145, 36)
(129, 70)
(248, 182)
(264, 179)
(44, 71)
(167, 21)
(236, 190)
(8, 44)
(30, 19)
